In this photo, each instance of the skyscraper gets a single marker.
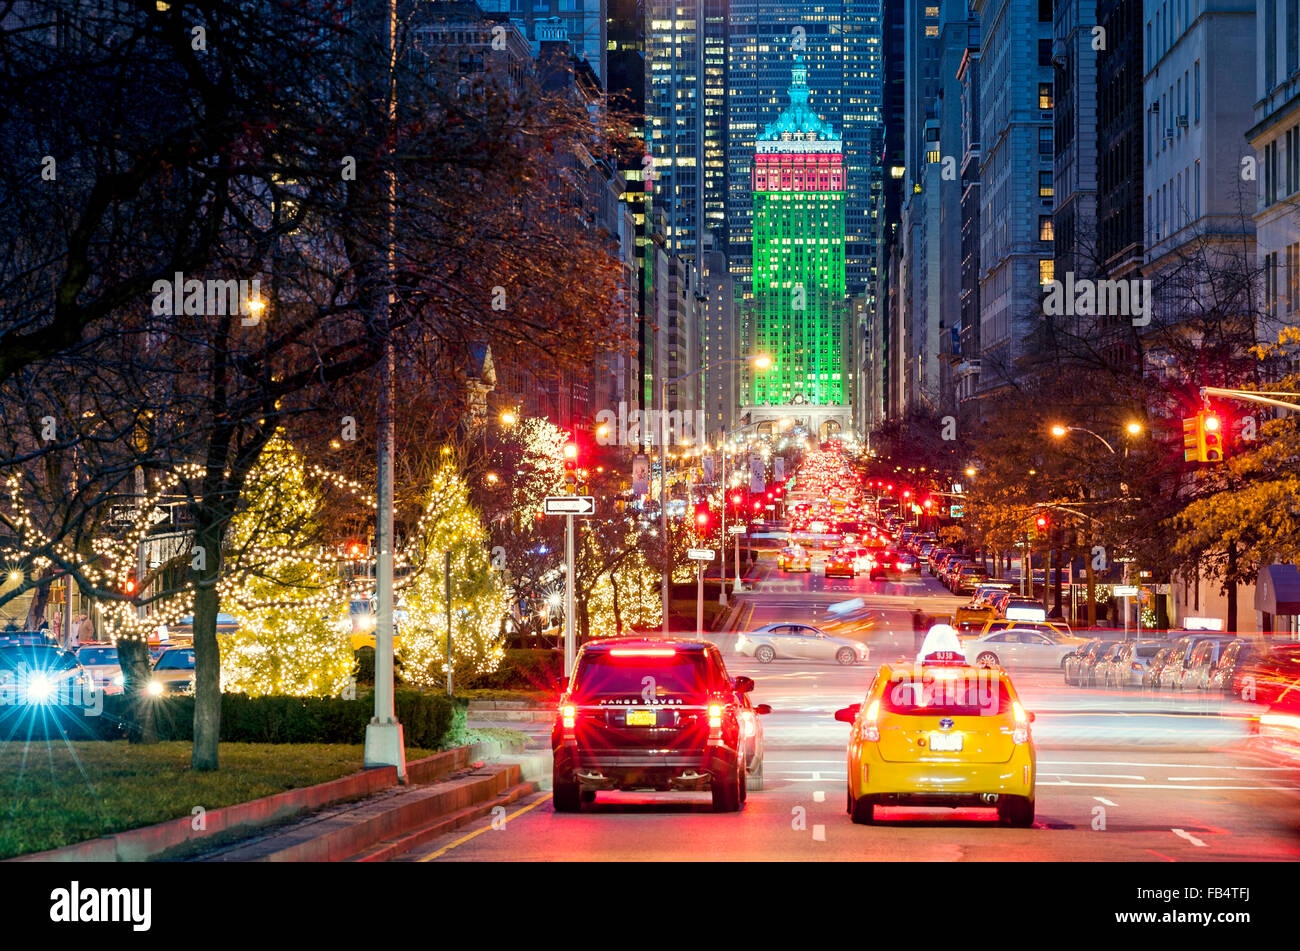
(841, 43)
(798, 312)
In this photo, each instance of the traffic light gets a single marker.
(1192, 451)
(703, 518)
(1203, 438)
(570, 456)
(128, 586)
(1211, 438)
(1041, 522)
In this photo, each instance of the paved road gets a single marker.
(1121, 777)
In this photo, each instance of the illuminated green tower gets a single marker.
(798, 313)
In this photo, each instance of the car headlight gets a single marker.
(154, 688)
(119, 680)
(39, 688)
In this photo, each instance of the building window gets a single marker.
(1044, 141)
(1044, 52)
(1046, 271)
(931, 31)
(1044, 11)
(1045, 232)
(1196, 91)
(1044, 95)
(1045, 189)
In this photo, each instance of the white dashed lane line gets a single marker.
(1184, 834)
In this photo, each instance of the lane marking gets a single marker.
(1052, 772)
(1105, 802)
(1182, 833)
(465, 838)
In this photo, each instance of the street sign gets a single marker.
(570, 505)
(956, 511)
(701, 554)
(1124, 590)
(736, 529)
(641, 474)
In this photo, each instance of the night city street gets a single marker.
(717, 441)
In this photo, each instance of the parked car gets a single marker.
(1018, 648)
(1128, 665)
(1238, 654)
(1202, 661)
(101, 662)
(1090, 674)
(799, 642)
(1180, 659)
(43, 691)
(174, 672)
(1079, 665)
(1151, 676)
(967, 578)
(1058, 626)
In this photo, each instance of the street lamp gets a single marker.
(761, 362)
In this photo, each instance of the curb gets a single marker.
(390, 849)
(343, 836)
(151, 842)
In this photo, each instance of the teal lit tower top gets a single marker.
(798, 314)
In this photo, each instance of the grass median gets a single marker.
(55, 793)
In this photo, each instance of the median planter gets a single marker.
(428, 719)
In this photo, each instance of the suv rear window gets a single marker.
(971, 693)
(683, 675)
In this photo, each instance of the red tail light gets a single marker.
(568, 713)
(1021, 733)
(715, 716)
(871, 732)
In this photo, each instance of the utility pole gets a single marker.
(570, 641)
(385, 744)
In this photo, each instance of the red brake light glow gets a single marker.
(642, 652)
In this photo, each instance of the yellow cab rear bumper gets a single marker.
(940, 777)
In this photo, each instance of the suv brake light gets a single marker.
(715, 716)
(568, 713)
(642, 652)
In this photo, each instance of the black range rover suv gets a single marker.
(649, 713)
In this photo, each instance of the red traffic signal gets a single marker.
(570, 455)
(1042, 521)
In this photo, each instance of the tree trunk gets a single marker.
(40, 598)
(1092, 595)
(207, 652)
(1230, 588)
(618, 615)
(133, 656)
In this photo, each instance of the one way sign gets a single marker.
(570, 505)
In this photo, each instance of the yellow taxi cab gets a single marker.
(939, 732)
(794, 558)
(1061, 629)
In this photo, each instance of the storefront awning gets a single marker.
(1277, 590)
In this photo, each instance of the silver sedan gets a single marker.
(799, 642)
(1015, 647)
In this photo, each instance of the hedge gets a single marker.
(427, 719)
(526, 669)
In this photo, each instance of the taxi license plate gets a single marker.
(642, 717)
(945, 742)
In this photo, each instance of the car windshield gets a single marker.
(682, 675)
(176, 660)
(36, 658)
(97, 656)
(965, 693)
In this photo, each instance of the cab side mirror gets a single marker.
(763, 708)
(742, 684)
(848, 714)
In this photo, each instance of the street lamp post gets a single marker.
(762, 362)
